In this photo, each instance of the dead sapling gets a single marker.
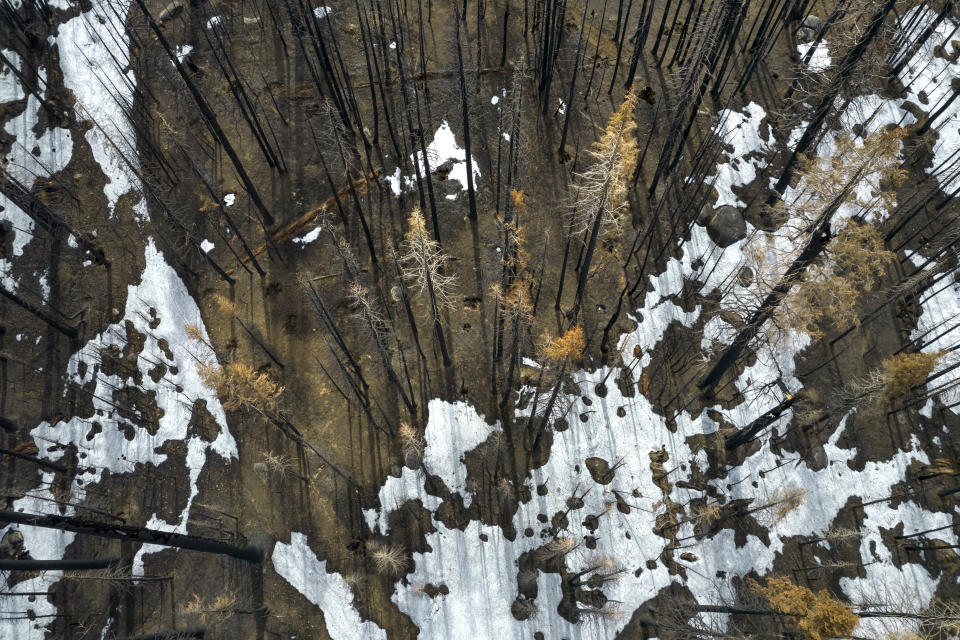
(412, 444)
(423, 265)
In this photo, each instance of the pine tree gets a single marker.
(601, 190)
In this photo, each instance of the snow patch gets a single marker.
(820, 59)
(741, 131)
(441, 150)
(298, 564)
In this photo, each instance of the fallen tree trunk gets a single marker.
(133, 534)
(58, 565)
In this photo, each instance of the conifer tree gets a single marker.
(601, 190)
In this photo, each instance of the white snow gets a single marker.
(481, 575)
(31, 156)
(206, 246)
(44, 286)
(111, 448)
(42, 544)
(229, 199)
(394, 493)
(322, 12)
(452, 430)
(10, 88)
(55, 145)
(89, 45)
(931, 74)
(298, 564)
(309, 237)
(213, 22)
(182, 51)
(20, 222)
(820, 60)
(938, 327)
(441, 150)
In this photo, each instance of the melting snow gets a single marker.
(299, 566)
(182, 51)
(441, 150)
(10, 88)
(308, 237)
(741, 131)
(820, 60)
(90, 46)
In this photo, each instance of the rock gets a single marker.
(412, 459)
(818, 458)
(688, 557)
(523, 608)
(726, 226)
(11, 546)
(809, 29)
(599, 470)
(812, 22)
(171, 11)
(745, 276)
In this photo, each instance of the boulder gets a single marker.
(600, 470)
(411, 459)
(11, 546)
(726, 226)
(171, 11)
(809, 28)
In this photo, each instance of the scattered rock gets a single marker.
(433, 590)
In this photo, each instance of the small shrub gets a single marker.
(569, 346)
(904, 371)
(220, 608)
(705, 515)
(239, 385)
(816, 616)
(556, 548)
(388, 559)
(411, 442)
(786, 500)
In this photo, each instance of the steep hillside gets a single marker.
(502, 321)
